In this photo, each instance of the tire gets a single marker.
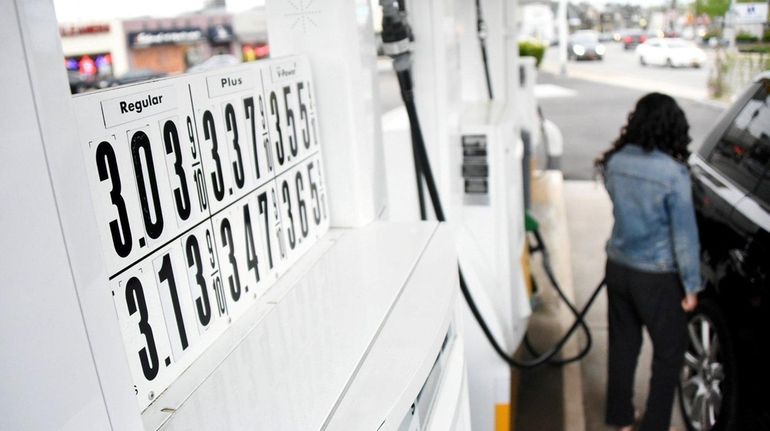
(641, 61)
(708, 395)
(669, 63)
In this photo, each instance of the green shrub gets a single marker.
(712, 33)
(532, 49)
(757, 49)
(745, 38)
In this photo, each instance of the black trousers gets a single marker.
(639, 299)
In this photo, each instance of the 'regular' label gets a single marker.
(130, 107)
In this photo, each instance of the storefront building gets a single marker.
(172, 45)
(96, 49)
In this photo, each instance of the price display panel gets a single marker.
(206, 189)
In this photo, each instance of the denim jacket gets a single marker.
(655, 228)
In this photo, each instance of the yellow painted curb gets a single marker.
(503, 417)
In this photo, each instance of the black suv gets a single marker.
(725, 382)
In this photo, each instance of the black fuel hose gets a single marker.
(541, 247)
(481, 33)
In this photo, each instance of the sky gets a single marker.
(100, 10)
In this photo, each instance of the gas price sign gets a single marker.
(206, 188)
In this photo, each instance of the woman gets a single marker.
(652, 257)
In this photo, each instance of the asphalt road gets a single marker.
(591, 118)
(621, 68)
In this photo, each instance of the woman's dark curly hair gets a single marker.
(657, 122)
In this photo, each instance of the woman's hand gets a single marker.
(689, 302)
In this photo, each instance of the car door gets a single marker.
(728, 171)
(752, 263)
(654, 55)
(663, 53)
(646, 51)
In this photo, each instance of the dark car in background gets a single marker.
(585, 45)
(725, 381)
(132, 77)
(632, 38)
(80, 83)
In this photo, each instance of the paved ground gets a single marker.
(591, 114)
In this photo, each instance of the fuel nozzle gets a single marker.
(396, 35)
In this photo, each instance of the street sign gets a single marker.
(749, 13)
(206, 188)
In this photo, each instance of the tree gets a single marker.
(712, 8)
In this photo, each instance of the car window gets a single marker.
(763, 190)
(743, 151)
(585, 37)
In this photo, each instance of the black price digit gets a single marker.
(314, 195)
(219, 293)
(287, 200)
(312, 120)
(210, 133)
(227, 240)
(293, 145)
(191, 136)
(148, 356)
(203, 200)
(300, 186)
(251, 250)
(303, 116)
(278, 231)
(210, 245)
(202, 304)
(232, 126)
(262, 202)
(266, 137)
(107, 166)
(140, 141)
(166, 274)
(181, 194)
(248, 108)
(274, 111)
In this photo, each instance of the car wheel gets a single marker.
(708, 397)
(641, 61)
(669, 63)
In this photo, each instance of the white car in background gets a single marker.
(671, 52)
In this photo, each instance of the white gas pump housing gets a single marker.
(356, 329)
(474, 147)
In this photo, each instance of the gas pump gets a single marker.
(472, 143)
(205, 251)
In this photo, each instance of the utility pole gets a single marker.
(673, 15)
(561, 18)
